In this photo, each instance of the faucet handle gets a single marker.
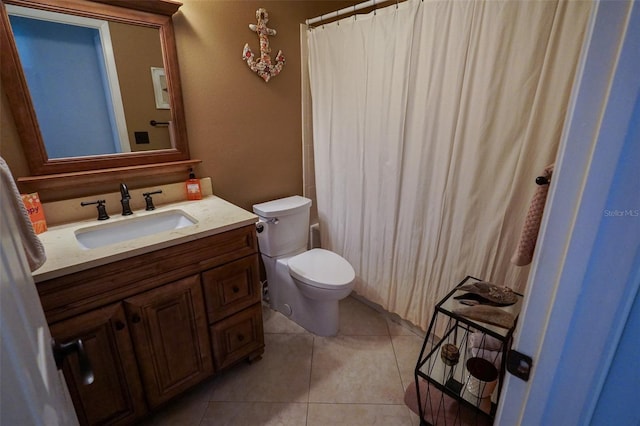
(102, 210)
(149, 200)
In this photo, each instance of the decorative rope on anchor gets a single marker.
(263, 66)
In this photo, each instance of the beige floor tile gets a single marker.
(185, 410)
(282, 375)
(275, 322)
(178, 413)
(355, 369)
(200, 392)
(356, 378)
(255, 413)
(358, 414)
(397, 329)
(407, 350)
(358, 319)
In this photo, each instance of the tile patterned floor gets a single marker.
(355, 378)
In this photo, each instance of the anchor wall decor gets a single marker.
(263, 66)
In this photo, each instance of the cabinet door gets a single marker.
(169, 331)
(232, 287)
(115, 396)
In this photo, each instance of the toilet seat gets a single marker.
(322, 269)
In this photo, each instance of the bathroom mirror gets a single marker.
(139, 20)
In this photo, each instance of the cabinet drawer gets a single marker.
(238, 336)
(231, 287)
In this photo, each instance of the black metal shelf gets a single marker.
(446, 392)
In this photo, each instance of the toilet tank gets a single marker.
(285, 225)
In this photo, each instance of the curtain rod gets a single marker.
(344, 11)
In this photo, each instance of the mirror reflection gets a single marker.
(96, 85)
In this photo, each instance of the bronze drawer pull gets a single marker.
(119, 325)
(235, 289)
(135, 318)
(240, 337)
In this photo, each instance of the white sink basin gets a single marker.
(132, 228)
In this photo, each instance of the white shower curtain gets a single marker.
(431, 121)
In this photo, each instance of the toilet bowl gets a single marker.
(305, 285)
(321, 274)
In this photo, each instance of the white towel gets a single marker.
(33, 248)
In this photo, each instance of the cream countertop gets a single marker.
(65, 256)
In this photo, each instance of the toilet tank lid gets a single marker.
(282, 206)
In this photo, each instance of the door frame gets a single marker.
(567, 326)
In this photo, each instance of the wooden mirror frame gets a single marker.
(49, 173)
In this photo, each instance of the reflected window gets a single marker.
(65, 69)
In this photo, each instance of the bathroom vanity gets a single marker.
(155, 314)
(160, 312)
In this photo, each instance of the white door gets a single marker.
(32, 390)
(586, 272)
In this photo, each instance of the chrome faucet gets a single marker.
(124, 191)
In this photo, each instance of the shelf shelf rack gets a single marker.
(446, 392)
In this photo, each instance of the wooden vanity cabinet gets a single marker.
(155, 324)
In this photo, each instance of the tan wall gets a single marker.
(246, 132)
(136, 50)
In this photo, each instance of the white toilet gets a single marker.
(305, 285)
